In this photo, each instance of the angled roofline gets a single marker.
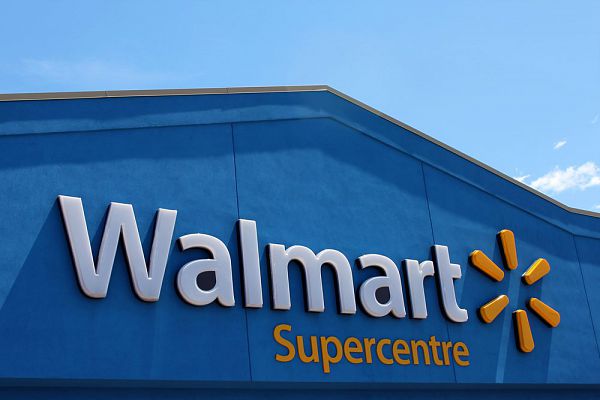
(280, 89)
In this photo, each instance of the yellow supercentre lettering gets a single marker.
(314, 351)
(353, 345)
(331, 350)
(327, 358)
(380, 355)
(460, 349)
(285, 343)
(397, 352)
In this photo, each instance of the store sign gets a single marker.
(147, 278)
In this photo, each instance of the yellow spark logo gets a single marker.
(534, 273)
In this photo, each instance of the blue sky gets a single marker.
(515, 84)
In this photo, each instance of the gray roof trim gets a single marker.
(276, 89)
(160, 92)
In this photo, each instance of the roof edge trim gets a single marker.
(159, 92)
(280, 89)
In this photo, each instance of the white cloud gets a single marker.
(521, 178)
(582, 177)
(597, 206)
(559, 144)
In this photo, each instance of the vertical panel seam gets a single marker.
(469, 181)
(237, 201)
(433, 239)
(587, 299)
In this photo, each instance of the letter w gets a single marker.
(93, 280)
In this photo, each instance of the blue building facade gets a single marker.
(312, 168)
